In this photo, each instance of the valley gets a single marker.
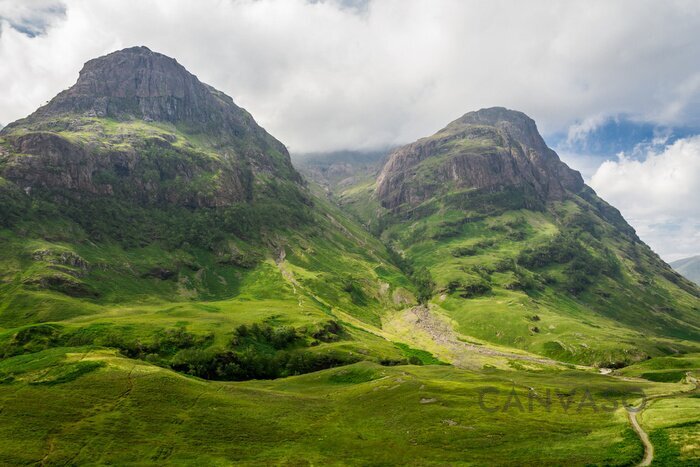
(174, 290)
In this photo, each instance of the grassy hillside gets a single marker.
(278, 284)
(173, 292)
(142, 335)
(362, 413)
(558, 281)
(477, 216)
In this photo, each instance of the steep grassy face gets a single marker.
(143, 210)
(519, 251)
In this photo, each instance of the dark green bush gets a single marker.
(425, 284)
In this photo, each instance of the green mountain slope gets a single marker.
(688, 268)
(521, 252)
(172, 291)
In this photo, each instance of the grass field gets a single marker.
(84, 405)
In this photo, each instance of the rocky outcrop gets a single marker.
(490, 149)
(63, 258)
(47, 162)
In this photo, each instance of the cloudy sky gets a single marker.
(613, 85)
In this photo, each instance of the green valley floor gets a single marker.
(91, 406)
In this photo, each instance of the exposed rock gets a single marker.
(64, 258)
(139, 83)
(160, 273)
(485, 150)
(47, 161)
(46, 150)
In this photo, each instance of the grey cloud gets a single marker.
(31, 18)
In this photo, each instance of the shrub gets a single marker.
(559, 250)
(469, 286)
(413, 360)
(357, 295)
(463, 251)
(425, 284)
(330, 332)
(582, 266)
(32, 339)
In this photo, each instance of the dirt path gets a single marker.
(643, 436)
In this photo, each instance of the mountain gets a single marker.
(110, 110)
(688, 268)
(173, 291)
(491, 149)
(143, 210)
(335, 171)
(520, 251)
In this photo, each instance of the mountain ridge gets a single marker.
(137, 125)
(139, 83)
(688, 267)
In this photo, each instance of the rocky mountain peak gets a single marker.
(489, 150)
(512, 122)
(135, 72)
(99, 138)
(137, 83)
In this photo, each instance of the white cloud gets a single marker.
(324, 75)
(580, 130)
(659, 195)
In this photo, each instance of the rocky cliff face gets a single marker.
(137, 124)
(490, 149)
(46, 162)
